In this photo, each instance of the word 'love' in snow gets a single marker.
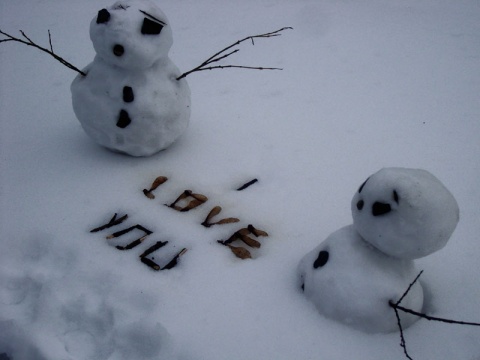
(186, 201)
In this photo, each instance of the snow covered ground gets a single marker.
(366, 84)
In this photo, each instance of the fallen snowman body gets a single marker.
(130, 100)
(399, 215)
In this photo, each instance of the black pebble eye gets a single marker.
(379, 209)
(395, 196)
(321, 259)
(103, 16)
(118, 50)
(150, 27)
(360, 204)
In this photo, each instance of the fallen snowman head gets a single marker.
(398, 215)
(129, 99)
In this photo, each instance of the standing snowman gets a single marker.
(129, 99)
(132, 99)
(398, 215)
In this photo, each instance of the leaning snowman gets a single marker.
(398, 215)
(129, 99)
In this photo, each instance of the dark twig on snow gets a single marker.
(246, 185)
(396, 307)
(29, 42)
(206, 65)
(113, 222)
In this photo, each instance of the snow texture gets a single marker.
(365, 85)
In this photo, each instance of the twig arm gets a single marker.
(220, 55)
(29, 42)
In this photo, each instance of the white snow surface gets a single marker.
(365, 85)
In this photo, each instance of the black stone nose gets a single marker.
(118, 50)
(103, 16)
(379, 209)
(321, 259)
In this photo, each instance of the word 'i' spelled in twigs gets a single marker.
(246, 185)
(396, 307)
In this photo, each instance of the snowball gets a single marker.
(405, 213)
(350, 281)
(122, 29)
(158, 115)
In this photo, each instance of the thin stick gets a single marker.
(246, 185)
(402, 338)
(396, 306)
(220, 55)
(433, 318)
(113, 222)
(29, 42)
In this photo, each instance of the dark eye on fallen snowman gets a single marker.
(395, 196)
(150, 27)
(321, 260)
(360, 204)
(103, 16)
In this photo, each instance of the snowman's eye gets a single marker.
(379, 209)
(150, 27)
(103, 16)
(395, 196)
(360, 204)
(321, 259)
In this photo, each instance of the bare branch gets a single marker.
(29, 42)
(220, 55)
(396, 307)
(50, 40)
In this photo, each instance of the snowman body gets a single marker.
(130, 100)
(352, 282)
(398, 215)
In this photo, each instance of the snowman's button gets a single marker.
(123, 119)
(103, 16)
(128, 94)
(118, 50)
(321, 259)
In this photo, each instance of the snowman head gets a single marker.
(132, 34)
(405, 213)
